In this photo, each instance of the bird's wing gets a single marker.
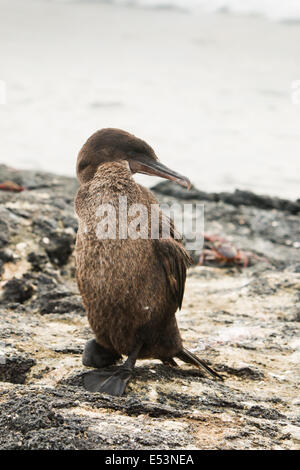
(175, 261)
(170, 251)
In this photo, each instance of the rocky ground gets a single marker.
(243, 321)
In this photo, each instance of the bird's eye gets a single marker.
(132, 153)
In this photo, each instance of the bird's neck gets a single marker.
(112, 177)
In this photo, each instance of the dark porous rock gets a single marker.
(261, 412)
(69, 349)
(38, 260)
(236, 198)
(44, 225)
(47, 281)
(37, 180)
(69, 221)
(30, 423)
(261, 287)
(17, 290)
(60, 247)
(59, 301)
(244, 371)
(248, 198)
(4, 233)
(169, 188)
(14, 367)
(6, 256)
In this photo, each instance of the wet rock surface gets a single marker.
(243, 321)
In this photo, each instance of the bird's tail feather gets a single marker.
(186, 356)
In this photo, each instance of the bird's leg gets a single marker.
(113, 383)
(96, 356)
(169, 362)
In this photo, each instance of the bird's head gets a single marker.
(111, 145)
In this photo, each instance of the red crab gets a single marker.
(11, 186)
(221, 251)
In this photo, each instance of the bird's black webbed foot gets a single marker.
(113, 383)
(96, 356)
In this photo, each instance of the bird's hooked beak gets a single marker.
(149, 166)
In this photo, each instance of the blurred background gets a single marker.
(213, 86)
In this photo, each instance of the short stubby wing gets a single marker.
(175, 261)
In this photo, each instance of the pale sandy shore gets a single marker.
(211, 93)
